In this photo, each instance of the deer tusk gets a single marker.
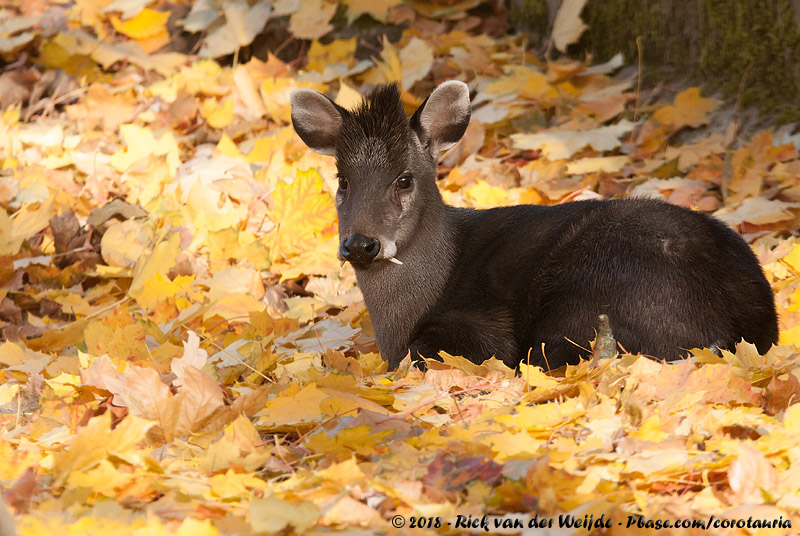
(343, 261)
(395, 261)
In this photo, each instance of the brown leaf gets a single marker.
(56, 339)
(141, 390)
(779, 394)
(116, 209)
(64, 228)
(469, 144)
(193, 406)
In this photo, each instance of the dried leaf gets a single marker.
(311, 21)
(568, 26)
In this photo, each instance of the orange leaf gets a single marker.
(689, 110)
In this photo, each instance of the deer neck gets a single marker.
(398, 296)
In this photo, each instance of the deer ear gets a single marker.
(443, 117)
(316, 119)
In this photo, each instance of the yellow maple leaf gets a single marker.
(139, 142)
(650, 430)
(233, 485)
(359, 439)
(228, 147)
(234, 306)
(302, 211)
(793, 257)
(689, 110)
(95, 441)
(276, 94)
(294, 405)
(389, 69)
(337, 51)
(510, 445)
(158, 289)
(344, 473)
(11, 354)
(218, 114)
(14, 461)
(377, 9)
(524, 81)
(64, 384)
(195, 527)
(161, 260)
(273, 515)
(240, 444)
(30, 219)
(148, 23)
(121, 343)
(484, 195)
(9, 245)
(229, 243)
(104, 479)
(348, 97)
(266, 148)
(319, 260)
(90, 13)
(535, 377)
(344, 403)
(791, 420)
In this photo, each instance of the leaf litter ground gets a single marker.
(183, 353)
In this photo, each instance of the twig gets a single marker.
(639, 82)
(727, 170)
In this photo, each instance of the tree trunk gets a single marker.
(716, 42)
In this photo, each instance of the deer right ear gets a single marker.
(443, 117)
(316, 119)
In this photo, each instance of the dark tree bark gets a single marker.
(713, 41)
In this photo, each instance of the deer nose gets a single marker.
(360, 250)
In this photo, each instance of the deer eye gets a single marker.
(404, 182)
(342, 183)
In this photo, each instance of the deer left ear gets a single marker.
(317, 120)
(443, 117)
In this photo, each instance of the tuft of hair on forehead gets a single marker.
(379, 121)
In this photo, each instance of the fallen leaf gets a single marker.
(416, 59)
(690, 109)
(146, 24)
(568, 26)
(193, 356)
(242, 23)
(273, 515)
(301, 210)
(311, 21)
(378, 10)
(558, 144)
(751, 475)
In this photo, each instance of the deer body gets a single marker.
(525, 282)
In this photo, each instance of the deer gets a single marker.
(522, 283)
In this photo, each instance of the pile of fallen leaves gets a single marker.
(184, 355)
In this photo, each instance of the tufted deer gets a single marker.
(521, 282)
